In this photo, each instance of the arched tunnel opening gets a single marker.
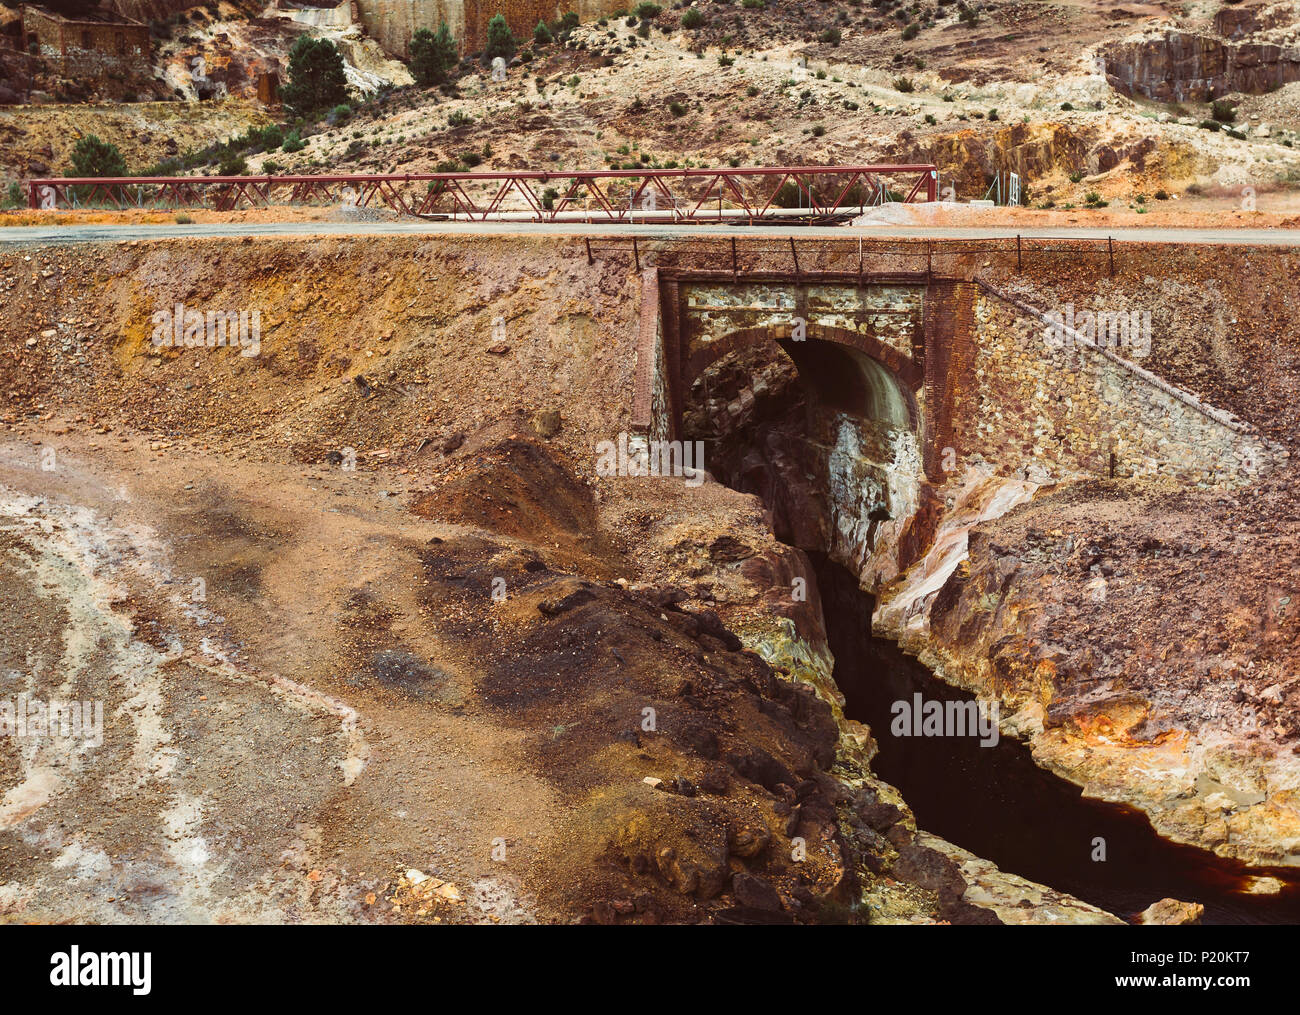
(824, 434)
(828, 438)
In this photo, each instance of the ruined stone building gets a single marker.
(91, 44)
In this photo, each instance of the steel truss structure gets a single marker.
(613, 196)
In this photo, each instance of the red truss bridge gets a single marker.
(614, 195)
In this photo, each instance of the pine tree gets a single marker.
(432, 56)
(500, 41)
(541, 34)
(316, 79)
(93, 157)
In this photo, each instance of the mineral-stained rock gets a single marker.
(1171, 912)
(755, 893)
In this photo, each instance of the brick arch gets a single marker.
(909, 373)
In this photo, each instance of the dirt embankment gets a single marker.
(473, 657)
(38, 140)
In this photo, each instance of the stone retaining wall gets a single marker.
(1053, 410)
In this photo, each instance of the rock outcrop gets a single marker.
(1178, 66)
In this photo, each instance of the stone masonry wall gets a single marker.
(651, 410)
(1073, 411)
(891, 314)
(391, 23)
(88, 49)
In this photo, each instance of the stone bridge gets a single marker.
(977, 375)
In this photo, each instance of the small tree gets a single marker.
(500, 41)
(432, 56)
(541, 34)
(316, 79)
(93, 157)
(563, 28)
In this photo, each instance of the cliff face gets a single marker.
(393, 22)
(1180, 66)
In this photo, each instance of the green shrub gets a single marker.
(693, 18)
(500, 41)
(316, 79)
(432, 56)
(232, 165)
(830, 37)
(904, 85)
(542, 35)
(93, 157)
(911, 32)
(564, 27)
(647, 10)
(677, 109)
(788, 196)
(459, 119)
(293, 142)
(1223, 111)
